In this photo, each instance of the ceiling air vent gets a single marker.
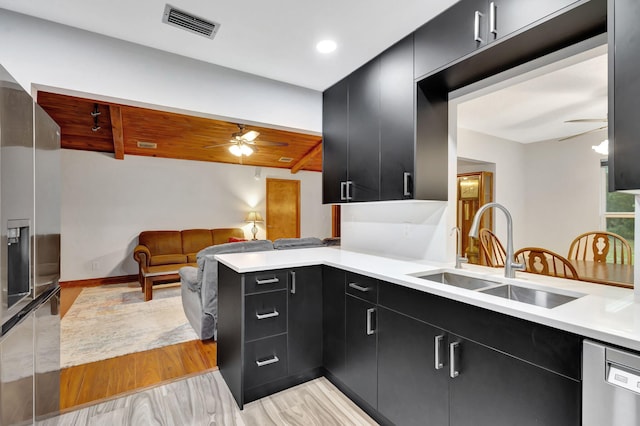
(285, 159)
(186, 21)
(151, 145)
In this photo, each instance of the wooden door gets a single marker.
(283, 209)
(474, 190)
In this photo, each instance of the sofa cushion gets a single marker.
(194, 240)
(167, 259)
(291, 243)
(162, 242)
(222, 235)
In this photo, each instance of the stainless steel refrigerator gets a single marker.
(29, 257)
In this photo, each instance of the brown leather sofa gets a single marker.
(161, 253)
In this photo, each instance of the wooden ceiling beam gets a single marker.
(307, 157)
(117, 131)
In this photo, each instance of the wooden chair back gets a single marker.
(597, 246)
(492, 249)
(545, 262)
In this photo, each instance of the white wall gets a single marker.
(551, 188)
(106, 203)
(45, 54)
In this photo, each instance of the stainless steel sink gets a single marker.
(459, 281)
(545, 299)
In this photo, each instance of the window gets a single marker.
(618, 210)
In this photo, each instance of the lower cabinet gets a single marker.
(333, 321)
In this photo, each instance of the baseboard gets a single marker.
(95, 282)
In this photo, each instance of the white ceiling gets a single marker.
(274, 39)
(536, 109)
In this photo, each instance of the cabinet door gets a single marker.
(305, 319)
(449, 36)
(624, 94)
(396, 121)
(411, 390)
(333, 321)
(361, 358)
(493, 388)
(512, 15)
(364, 134)
(334, 141)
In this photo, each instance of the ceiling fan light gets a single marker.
(246, 150)
(250, 135)
(235, 150)
(602, 148)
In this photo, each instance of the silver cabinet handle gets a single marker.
(438, 352)
(453, 369)
(267, 281)
(359, 288)
(271, 360)
(343, 187)
(407, 178)
(370, 329)
(492, 18)
(476, 27)
(268, 315)
(293, 282)
(349, 185)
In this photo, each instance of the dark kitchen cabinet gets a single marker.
(305, 319)
(361, 366)
(472, 24)
(397, 117)
(412, 371)
(369, 145)
(363, 156)
(494, 388)
(624, 94)
(334, 142)
(333, 321)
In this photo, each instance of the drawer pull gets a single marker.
(264, 362)
(268, 315)
(267, 281)
(359, 288)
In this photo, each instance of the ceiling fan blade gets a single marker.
(250, 136)
(220, 144)
(583, 133)
(268, 143)
(587, 120)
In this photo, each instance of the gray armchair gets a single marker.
(200, 285)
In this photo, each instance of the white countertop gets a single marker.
(605, 313)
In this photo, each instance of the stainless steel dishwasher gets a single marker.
(610, 386)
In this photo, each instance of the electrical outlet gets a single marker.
(95, 265)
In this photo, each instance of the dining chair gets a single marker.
(545, 262)
(492, 249)
(601, 246)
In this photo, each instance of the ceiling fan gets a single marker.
(244, 142)
(586, 120)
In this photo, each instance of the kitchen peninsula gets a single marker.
(401, 346)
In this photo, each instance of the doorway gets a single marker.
(283, 208)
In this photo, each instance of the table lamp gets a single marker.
(254, 217)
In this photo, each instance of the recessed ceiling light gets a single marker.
(326, 46)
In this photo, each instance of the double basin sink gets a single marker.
(532, 296)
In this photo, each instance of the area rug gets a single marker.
(113, 320)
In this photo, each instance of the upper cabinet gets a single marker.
(624, 94)
(369, 143)
(472, 24)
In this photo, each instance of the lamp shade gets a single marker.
(254, 216)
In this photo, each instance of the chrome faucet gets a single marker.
(510, 266)
(460, 259)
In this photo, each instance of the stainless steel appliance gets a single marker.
(29, 257)
(610, 386)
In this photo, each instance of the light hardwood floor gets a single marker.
(86, 383)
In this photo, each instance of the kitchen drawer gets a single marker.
(363, 287)
(258, 282)
(265, 360)
(265, 314)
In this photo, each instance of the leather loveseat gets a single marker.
(161, 253)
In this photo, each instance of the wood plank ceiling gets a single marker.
(180, 136)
